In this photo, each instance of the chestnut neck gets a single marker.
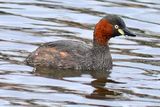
(102, 33)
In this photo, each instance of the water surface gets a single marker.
(26, 24)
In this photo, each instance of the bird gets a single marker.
(78, 55)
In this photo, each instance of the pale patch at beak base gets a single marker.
(121, 32)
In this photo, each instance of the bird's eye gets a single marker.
(116, 26)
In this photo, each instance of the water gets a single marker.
(133, 82)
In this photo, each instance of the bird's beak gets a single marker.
(126, 32)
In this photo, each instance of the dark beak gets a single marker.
(128, 33)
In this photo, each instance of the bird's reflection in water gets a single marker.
(101, 91)
(99, 82)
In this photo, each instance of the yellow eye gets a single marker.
(116, 27)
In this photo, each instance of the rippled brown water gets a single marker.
(134, 80)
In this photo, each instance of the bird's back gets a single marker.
(65, 54)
